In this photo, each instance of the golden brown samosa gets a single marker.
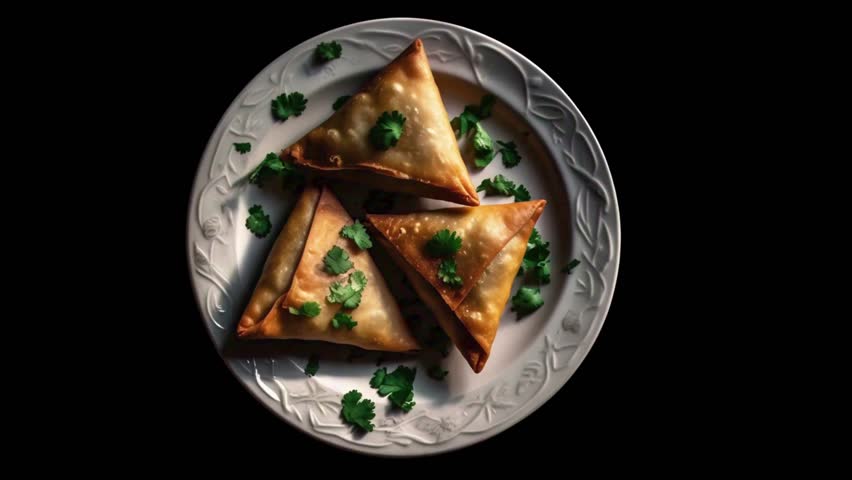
(494, 241)
(425, 162)
(294, 274)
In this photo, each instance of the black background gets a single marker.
(635, 389)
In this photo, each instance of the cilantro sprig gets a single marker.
(270, 166)
(500, 185)
(340, 101)
(312, 367)
(447, 273)
(349, 295)
(337, 261)
(328, 51)
(527, 300)
(483, 147)
(444, 244)
(571, 265)
(308, 309)
(399, 384)
(509, 152)
(473, 114)
(288, 105)
(387, 130)
(537, 263)
(537, 258)
(521, 194)
(358, 234)
(258, 222)
(358, 412)
(341, 319)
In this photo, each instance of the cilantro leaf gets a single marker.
(436, 372)
(350, 294)
(340, 101)
(308, 309)
(242, 147)
(358, 413)
(571, 265)
(535, 237)
(472, 115)
(358, 234)
(399, 384)
(258, 222)
(483, 147)
(286, 106)
(343, 320)
(313, 366)
(498, 185)
(328, 51)
(447, 273)
(521, 194)
(387, 130)
(486, 104)
(527, 300)
(378, 377)
(536, 258)
(271, 165)
(542, 271)
(509, 152)
(465, 122)
(444, 244)
(337, 261)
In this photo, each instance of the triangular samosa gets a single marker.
(296, 273)
(425, 162)
(493, 244)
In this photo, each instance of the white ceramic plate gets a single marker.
(531, 358)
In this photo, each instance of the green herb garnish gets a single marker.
(527, 300)
(340, 101)
(286, 106)
(308, 309)
(341, 319)
(271, 165)
(536, 259)
(313, 366)
(509, 152)
(358, 412)
(399, 385)
(444, 244)
(387, 130)
(337, 261)
(465, 122)
(447, 273)
(350, 294)
(357, 233)
(571, 265)
(258, 222)
(499, 185)
(473, 114)
(521, 194)
(328, 51)
(483, 147)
